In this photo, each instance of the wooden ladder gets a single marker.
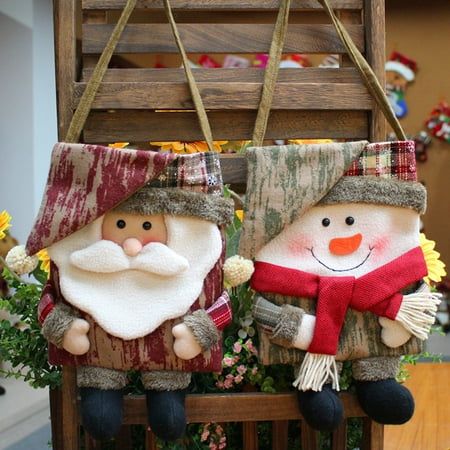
(308, 103)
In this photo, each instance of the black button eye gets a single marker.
(349, 220)
(326, 222)
(147, 226)
(121, 224)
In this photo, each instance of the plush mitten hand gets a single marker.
(75, 338)
(393, 333)
(237, 270)
(185, 345)
(305, 332)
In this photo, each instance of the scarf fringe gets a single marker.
(315, 371)
(417, 312)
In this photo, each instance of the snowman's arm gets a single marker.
(206, 325)
(415, 312)
(286, 325)
(54, 317)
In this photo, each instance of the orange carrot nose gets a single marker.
(345, 246)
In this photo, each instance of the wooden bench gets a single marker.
(308, 103)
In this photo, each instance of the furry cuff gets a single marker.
(164, 380)
(150, 200)
(203, 328)
(288, 325)
(284, 321)
(375, 369)
(101, 378)
(365, 189)
(57, 323)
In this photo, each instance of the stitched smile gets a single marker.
(340, 270)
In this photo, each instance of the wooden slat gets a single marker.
(309, 437)
(374, 19)
(240, 407)
(66, 60)
(372, 435)
(70, 409)
(224, 5)
(150, 440)
(339, 437)
(280, 435)
(250, 75)
(250, 436)
(141, 126)
(231, 96)
(219, 38)
(124, 438)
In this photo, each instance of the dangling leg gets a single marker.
(321, 410)
(166, 392)
(381, 397)
(101, 400)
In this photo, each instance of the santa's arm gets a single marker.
(201, 330)
(60, 325)
(286, 325)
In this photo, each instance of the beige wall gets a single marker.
(421, 30)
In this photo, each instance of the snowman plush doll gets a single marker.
(334, 233)
(136, 246)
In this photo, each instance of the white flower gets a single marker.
(18, 260)
(237, 270)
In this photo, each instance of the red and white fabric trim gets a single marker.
(220, 312)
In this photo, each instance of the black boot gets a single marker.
(322, 410)
(166, 414)
(2, 390)
(385, 401)
(101, 412)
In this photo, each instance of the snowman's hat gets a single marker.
(285, 181)
(384, 174)
(402, 65)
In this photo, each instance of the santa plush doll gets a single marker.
(334, 232)
(136, 245)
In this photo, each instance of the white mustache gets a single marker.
(108, 257)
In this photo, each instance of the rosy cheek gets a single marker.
(300, 245)
(381, 245)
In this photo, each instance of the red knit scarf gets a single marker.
(377, 291)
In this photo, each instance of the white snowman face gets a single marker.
(348, 239)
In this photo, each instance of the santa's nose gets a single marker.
(345, 246)
(132, 246)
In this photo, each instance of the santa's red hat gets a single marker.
(86, 181)
(403, 65)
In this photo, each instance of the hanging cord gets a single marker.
(271, 73)
(198, 103)
(84, 106)
(367, 74)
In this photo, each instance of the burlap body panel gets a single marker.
(151, 352)
(359, 338)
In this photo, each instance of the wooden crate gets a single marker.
(308, 103)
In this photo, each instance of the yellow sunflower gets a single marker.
(310, 141)
(5, 223)
(119, 144)
(188, 147)
(44, 259)
(239, 214)
(436, 268)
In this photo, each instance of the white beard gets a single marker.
(128, 302)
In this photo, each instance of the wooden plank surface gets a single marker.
(231, 96)
(224, 5)
(65, 60)
(70, 409)
(141, 126)
(240, 407)
(429, 428)
(250, 436)
(219, 38)
(374, 19)
(250, 75)
(280, 431)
